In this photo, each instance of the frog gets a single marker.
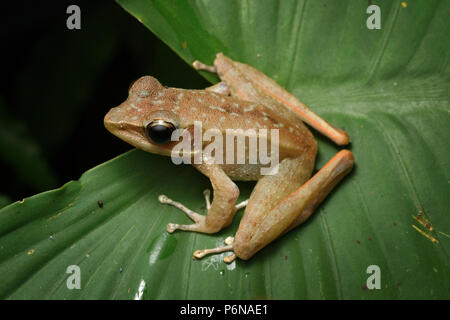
(244, 98)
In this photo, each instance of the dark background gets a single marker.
(57, 84)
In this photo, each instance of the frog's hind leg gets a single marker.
(229, 247)
(201, 66)
(277, 206)
(228, 241)
(267, 193)
(261, 226)
(220, 87)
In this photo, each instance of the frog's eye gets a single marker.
(160, 131)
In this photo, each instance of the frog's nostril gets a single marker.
(109, 121)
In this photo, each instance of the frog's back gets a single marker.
(216, 111)
(235, 118)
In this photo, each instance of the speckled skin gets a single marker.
(148, 100)
(278, 202)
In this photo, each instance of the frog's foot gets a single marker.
(194, 216)
(199, 225)
(229, 247)
(220, 87)
(241, 205)
(201, 66)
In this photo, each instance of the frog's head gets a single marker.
(142, 120)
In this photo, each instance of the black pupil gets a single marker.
(159, 133)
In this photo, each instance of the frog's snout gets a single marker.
(108, 121)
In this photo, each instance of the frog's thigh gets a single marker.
(259, 227)
(269, 191)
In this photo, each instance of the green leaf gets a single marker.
(388, 88)
(4, 200)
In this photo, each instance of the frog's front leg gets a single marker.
(220, 212)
